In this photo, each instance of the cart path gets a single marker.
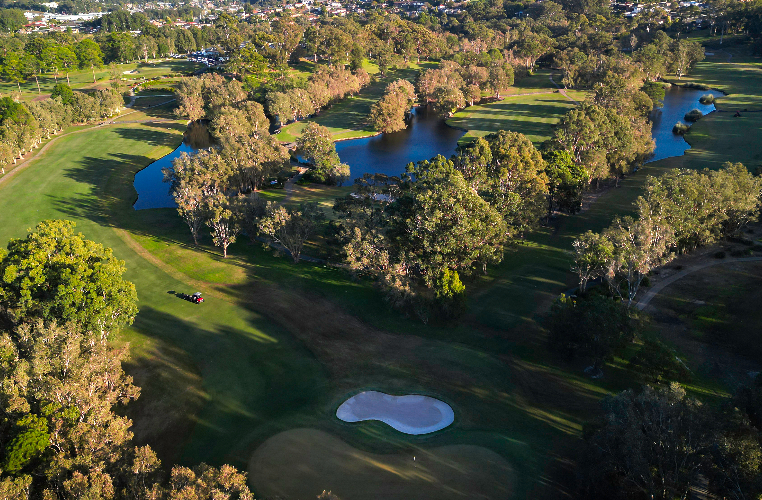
(289, 185)
(562, 91)
(653, 291)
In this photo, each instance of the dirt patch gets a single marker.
(301, 463)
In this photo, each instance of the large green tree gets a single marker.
(516, 183)
(439, 223)
(651, 444)
(59, 275)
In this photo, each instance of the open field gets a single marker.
(533, 115)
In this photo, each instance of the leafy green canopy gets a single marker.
(64, 92)
(57, 275)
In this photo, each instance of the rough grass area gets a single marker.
(441, 473)
(347, 119)
(715, 313)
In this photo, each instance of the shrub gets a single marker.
(64, 92)
(450, 295)
(691, 85)
(693, 115)
(680, 128)
(706, 99)
(657, 363)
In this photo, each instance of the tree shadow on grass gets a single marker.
(152, 133)
(209, 383)
(109, 186)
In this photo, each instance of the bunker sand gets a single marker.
(301, 463)
(411, 414)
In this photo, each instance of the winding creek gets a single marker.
(425, 137)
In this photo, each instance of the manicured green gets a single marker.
(532, 115)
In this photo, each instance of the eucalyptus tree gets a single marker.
(291, 227)
(390, 112)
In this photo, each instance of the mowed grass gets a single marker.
(532, 106)
(532, 115)
(449, 472)
(83, 79)
(201, 348)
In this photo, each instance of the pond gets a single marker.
(677, 102)
(153, 192)
(425, 137)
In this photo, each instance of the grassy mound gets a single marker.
(693, 115)
(328, 463)
(706, 99)
(680, 128)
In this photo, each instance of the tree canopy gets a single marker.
(58, 275)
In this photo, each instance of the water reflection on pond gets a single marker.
(677, 102)
(153, 192)
(426, 136)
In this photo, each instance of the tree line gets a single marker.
(217, 187)
(63, 436)
(326, 85)
(445, 89)
(24, 126)
(679, 211)
(659, 442)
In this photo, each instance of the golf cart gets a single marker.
(196, 298)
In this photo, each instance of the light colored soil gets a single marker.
(301, 463)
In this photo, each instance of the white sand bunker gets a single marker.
(412, 414)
